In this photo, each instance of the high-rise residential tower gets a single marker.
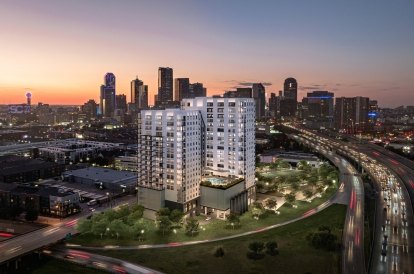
(198, 158)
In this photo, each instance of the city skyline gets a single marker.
(60, 51)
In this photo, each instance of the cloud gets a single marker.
(237, 83)
(248, 84)
(311, 87)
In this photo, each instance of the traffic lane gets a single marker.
(353, 257)
(26, 243)
(48, 235)
(396, 242)
(98, 261)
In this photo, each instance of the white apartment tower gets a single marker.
(170, 158)
(178, 147)
(230, 137)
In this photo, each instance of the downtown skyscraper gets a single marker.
(139, 95)
(351, 114)
(107, 104)
(289, 102)
(165, 86)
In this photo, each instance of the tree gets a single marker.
(139, 228)
(324, 170)
(270, 203)
(233, 219)
(295, 186)
(282, 179)
(323, 240)
(304, 166)
(118, 228)
(137, 208)
(176, 216)
(134, 217)
(302, 175)
(333, 175)
(308, 193)
(31, 215)
(191, 226)
(164, 211)
(99, 227)
(291, 179)
(84, 226)
(272, 248)
(123, 211)
(258, 209)
(283, 164)
(164, 224)
(219, 252)
(255, 250)
(290, 198)
(111, 215)
(313, 181)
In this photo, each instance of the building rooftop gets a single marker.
(15, 164)
(105, 175)
(43, 191)
(220, 182)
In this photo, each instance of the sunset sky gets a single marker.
(60, 50)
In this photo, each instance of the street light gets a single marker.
(141, 235)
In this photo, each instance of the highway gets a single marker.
(26, 243)
(393, 244)
(399, 195)
(353, 234)
(100, 262)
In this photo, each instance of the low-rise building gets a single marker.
(222, 195)
(292, 157)
(47, 201)
(128, 163)
(105, 178)
(22, 169)
(75, 150)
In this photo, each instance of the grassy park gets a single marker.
(295, 253)
(127, 226)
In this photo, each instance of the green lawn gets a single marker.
(296, 255)
(53, 266)
(214, 229)
(279, 172)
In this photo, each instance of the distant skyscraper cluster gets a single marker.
(170, 92)
(318, 109)
(170, 95)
